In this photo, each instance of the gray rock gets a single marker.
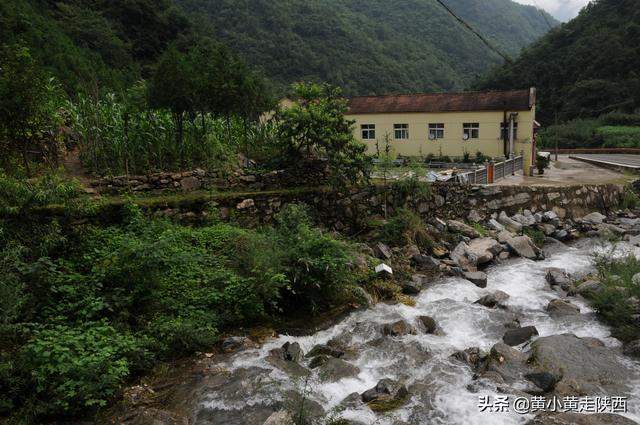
(594, 218)
(632, 348)
(493, 224)
(472, 356)
(484, 249)
(385, 390)
(425, 262)
(524, 247)
(569, 418)
(280, 418)
(507, 362)
(474, 216)
(587, 288)
(235, 343)
(292, 352)
(430, 325)
(561, 235)
(477, 278)
(558, 277)
(508, 223)
(494, 299)
(549, 216)
(462, 228)
(326, 350)
(560, 308)
(585, 368)
(463, 257)
(548, 229)
(504, 236)
(633, 240)
(543, 380)
(399, 328)
(318, 361)
(411, 287)
(383, 251)
(336, 369)
(519, 336)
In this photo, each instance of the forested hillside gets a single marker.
(376, 46)
(585, 68)
(92, 43)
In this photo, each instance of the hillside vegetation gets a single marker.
(370, 47)
(583, 69)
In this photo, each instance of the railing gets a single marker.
(630, 151)
(500, 170)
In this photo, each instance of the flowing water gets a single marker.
(442, 389)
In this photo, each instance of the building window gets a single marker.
(436, 131)
(504, 131)
(471, 130)
(368, 131)
(401, 131)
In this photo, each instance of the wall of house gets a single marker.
(453, 145)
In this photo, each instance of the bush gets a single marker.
(406, 227)
(622, 119)
(619, 137)
(573, 134)
(75, 368)
(17, 196)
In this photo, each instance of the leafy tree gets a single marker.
(315, 127)
(28, 115)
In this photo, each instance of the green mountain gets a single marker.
(585, 68)
(373, 46)
(92, 43)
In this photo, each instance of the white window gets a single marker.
(401, 131)
(368, 131)
(471, 130)
(436, 131)
(504, 131)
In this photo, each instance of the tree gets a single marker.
(173, 87)
(315, 127)
(28, 110)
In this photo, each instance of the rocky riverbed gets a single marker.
(506, 319)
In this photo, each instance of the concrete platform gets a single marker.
(622, 162)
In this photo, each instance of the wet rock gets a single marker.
(303, 406)
(585, 369)
(519, 336)
(290, 368)
(326, 350)
(494, 299)
(569, 418)
(292, 352)
(386, 395)
(429, 324)
(318, 361)
(425, 262)
(543, 380)
(560, 308)
(477, 278)
(280, 418)
(462, 228)
(399, 328)
(632, 349)
(236, 343)
(334, 370)
(558, 277)
(561, 235)
(472, 356)
(524, 247)
(510, 364)
(484, 249)
(412, 287)
(352, 401)
(148, 415)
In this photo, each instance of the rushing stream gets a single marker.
(442, 389)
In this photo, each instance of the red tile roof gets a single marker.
(516, 100)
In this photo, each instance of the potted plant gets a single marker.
(542, 163)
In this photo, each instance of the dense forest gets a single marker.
(582, 69)
(370, 47)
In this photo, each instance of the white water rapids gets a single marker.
(442, 389)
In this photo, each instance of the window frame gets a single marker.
(368, 131)
(472, 129)
(401, 131)
(438, 130)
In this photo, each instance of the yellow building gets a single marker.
(498, 124)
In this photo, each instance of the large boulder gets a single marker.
(585, 368)
(398, 328)
(477, 278)
(325, 350)
(386, 395)
(464, 258)
(462, 228)
(594, 218)
(570, 418)
(558, 277)
(519, 336)
(429, 324)
(336, 369)
(494, 299)
(509, 223)
(484, 249)
(507, 362)
(524, 247)
(561, 308)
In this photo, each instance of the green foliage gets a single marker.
(406, 227)
(411, 187)
(578, 133)
(542, 163)
(614, 301)
(315, 127)
(630, 199)
(620, 119)
(18, 196)
(619, 137)
(377, 47)
(584, 68)
(537, 236)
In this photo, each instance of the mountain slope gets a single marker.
(89, 43)
(585, 68)
(377, 46)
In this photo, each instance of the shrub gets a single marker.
(17, 196)
(578, 133)
(619, 118)
(406, 227)
(619, 137)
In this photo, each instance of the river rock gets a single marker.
(504, 236)
(510, 364)
(543, 380)
(484, 249)
(429, 324)
(280, 418)
(463, 229)
(547, 228)
(508, 223)
(411, 287)
(519, 336)
(385, 391)
(236, 343)
(524, 247)
(399, 328)
(494, 299)
(632, 349)
(326, 350)
(318, 361)
(334, 370)
(383, 251)
(425, 262)
(477, 278)
(594, 218)
(585, 369)
(558, 277)
(561, 308)
(472, 356)
(464, 258)
(570, 418)
(494, 225)
(292, 352)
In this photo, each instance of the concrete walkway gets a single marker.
(622, 161)
(570, 172)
